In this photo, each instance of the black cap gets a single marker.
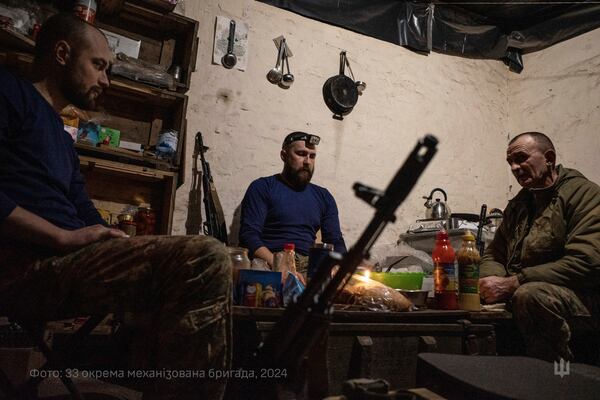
(307, 137)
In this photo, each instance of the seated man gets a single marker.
(545, 256)
(57, 260)
(287, 208)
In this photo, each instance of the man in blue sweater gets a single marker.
(287, 208)
(58, 260)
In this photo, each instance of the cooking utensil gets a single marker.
(340, 92)
(482, 216)
(389, 268)
(360, 86)
(286, 79)
(417, 297)
(229, 60)
(275, 74)
(438, 209)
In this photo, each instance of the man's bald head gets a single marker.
(60, 27)
(542, 141)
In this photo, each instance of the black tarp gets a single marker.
(491, 31)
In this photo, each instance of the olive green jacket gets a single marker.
(557, 232)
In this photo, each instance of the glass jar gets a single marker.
(127, 224)
(239, 260)
(145, 219)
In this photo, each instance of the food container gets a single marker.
(399, 280)
(145, 220)
(417, 297)
(127, 224)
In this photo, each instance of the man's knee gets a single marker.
(530, 295)
(538, 300)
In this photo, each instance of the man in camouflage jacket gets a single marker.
(545, 256)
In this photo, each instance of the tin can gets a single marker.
(86, 10)
(316, 255)
(127, 224)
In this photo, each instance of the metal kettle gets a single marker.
(438, 209)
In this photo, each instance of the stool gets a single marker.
(56, 361)
(491, 377)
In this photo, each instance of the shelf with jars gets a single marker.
(138, 111)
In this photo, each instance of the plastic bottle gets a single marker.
(444, 273)
(285, 261)
(468, 274)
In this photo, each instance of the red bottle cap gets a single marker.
(289, 246)
(441, 235)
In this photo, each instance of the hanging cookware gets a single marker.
(438, 209)
(229, 59)
(287, 79)
(340, 92)
(275, 74)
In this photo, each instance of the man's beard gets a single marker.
(297, 178)
(76, 94)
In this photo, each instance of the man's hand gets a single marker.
(265, 254)
(73, 240)
(494, 289)
(27, 227)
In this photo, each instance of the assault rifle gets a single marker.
(307, 319)
(193, 223)
(215, 220)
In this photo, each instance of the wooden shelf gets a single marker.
(126, 169)
(139, 111)
(12, 40)
(131, 184)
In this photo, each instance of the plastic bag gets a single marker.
(372, 295)
(166, 148)
(140, 71)
(292, 289)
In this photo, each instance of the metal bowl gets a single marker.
(417, 297)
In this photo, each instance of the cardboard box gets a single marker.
(122, 44)
(110, 136)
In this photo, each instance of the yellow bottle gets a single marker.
(468, 274)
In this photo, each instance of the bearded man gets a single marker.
(58, 259)
(287, 208)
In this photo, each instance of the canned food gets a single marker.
(145, 219)
(127, 224)
(316, 255)
(86, 10)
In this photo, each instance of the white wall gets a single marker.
(558, 93)
(244, 118)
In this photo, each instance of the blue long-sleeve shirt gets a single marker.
(274, 214)
(39, 168)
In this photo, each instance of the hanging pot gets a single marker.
(340, 92)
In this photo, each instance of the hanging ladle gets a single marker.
(229, 60)
(286, 79)
(275, 74)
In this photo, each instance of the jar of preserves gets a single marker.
(127, 224)
(145, 219)
(86, 10)
(239, 260)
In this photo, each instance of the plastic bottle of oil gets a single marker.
(444, 273)
(468, 274)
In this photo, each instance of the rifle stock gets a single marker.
(193, 223)
(215, 220)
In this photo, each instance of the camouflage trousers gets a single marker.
(177, 289)
(547, 316)
(301, 263)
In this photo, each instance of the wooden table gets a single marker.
(370, 344)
